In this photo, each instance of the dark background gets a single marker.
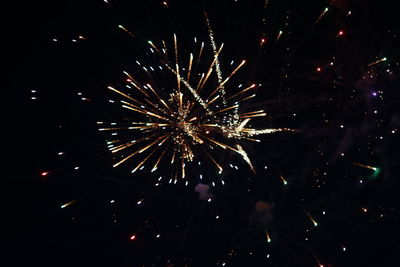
(96, 229)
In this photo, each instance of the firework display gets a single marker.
(178, 122)
(203, 133)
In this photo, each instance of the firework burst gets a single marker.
(196, 116)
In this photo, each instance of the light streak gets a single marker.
(279, 35)
(67, 204)
(377, 61)
(283, 179)
(365, 166)
(322, 14)
(311, 218)
(375, 169)
(126, 30)
(268, 236)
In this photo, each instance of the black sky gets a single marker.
(40, 55)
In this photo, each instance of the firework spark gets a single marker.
(268, 236)
(193, 119)
(365, 166)
(322, 14)
(311, 218)
(375, 169)
(67, 204)
(377, 61)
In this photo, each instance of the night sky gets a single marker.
(325, 195)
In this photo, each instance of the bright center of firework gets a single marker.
(186, 127)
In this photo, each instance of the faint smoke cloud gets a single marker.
(262, 215)
(203, 191)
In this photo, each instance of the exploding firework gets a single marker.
(194, 118)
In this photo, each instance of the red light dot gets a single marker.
(318, 69)
(44, 173)
(341, 33)
(128, 80)
(133, 237)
